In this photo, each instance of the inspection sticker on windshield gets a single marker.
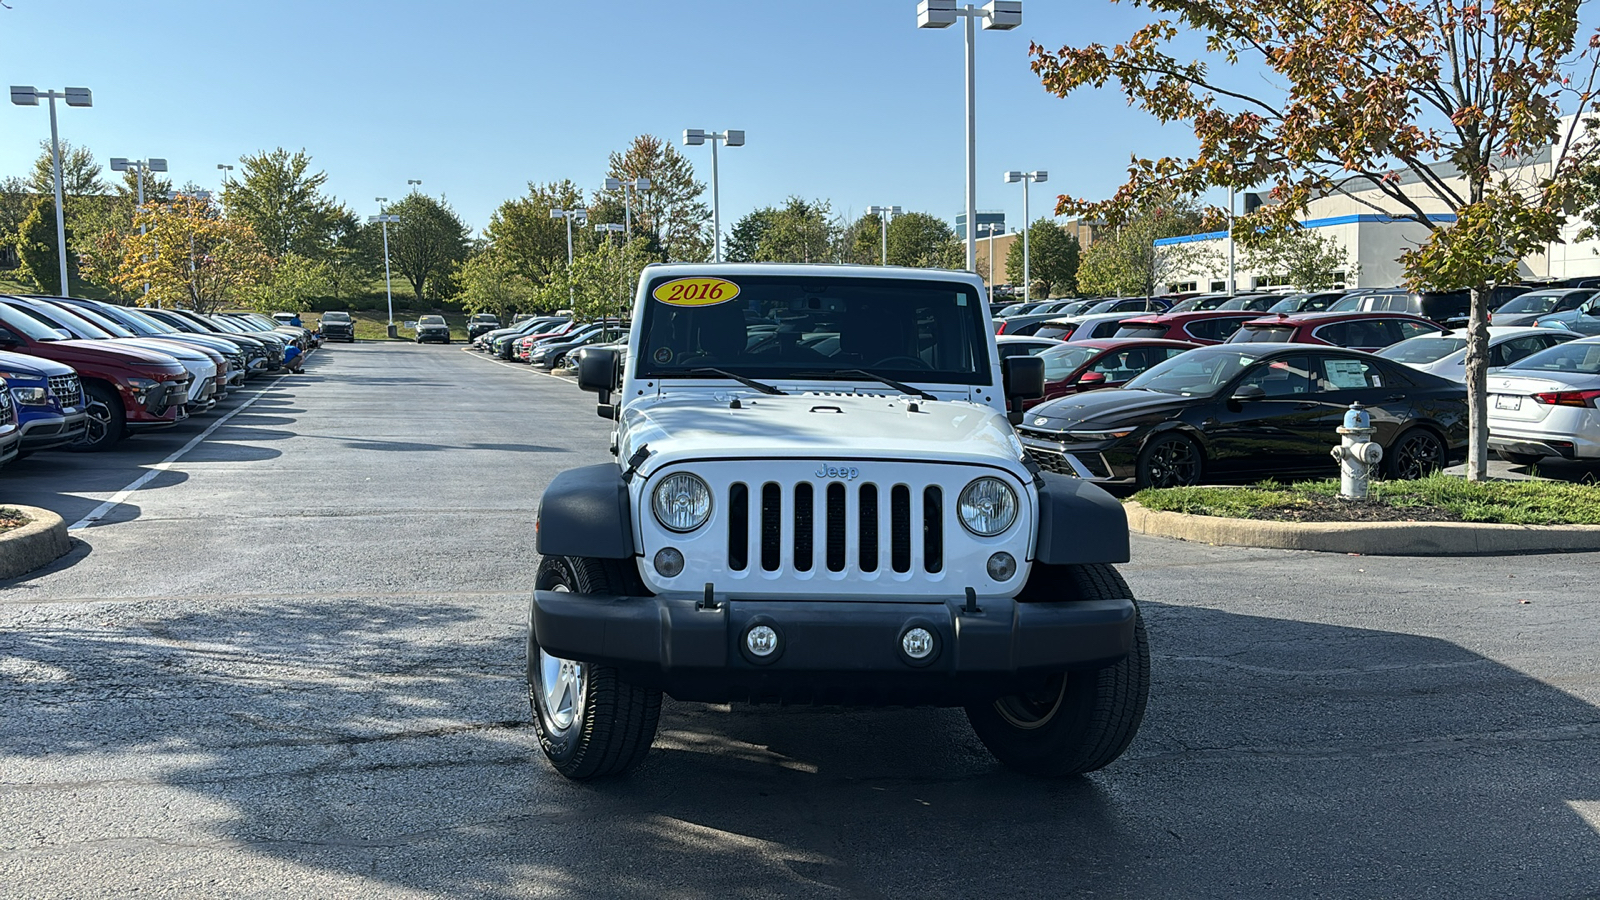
(696, 291)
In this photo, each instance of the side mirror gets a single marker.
(1092, 380)
(1250, 392)
(1022, 378)
(598, 371)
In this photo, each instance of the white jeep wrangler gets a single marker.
(818, 497)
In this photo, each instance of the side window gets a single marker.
(1506, 353)
(1336, 333)
(1340, 373)
(1171, 352)
(1213, 329)
(1287, 377)
(1412, 329)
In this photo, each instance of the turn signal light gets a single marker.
(1569, 398)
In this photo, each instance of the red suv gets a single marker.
(1357, 330)
(125, 388)
(1196, 326)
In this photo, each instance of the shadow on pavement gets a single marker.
(385, 741)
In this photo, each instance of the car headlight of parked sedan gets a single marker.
(682, 502)
(988, 506)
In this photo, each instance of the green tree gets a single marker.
(1124, 260)
(599, 283)
(427, 244)
(802, 232)
(534, 244)
(37, 247)
(1052, 263)
(922, 241)
(490, 283)
(744, 240)
(190, 256)
(16, 201)
(1302, 258)
(282, 199)
(295, 282)
(349, 259)
(670, 213)
(861, 242)
(80, 174)
(1456, 95)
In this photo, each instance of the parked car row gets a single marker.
(549, 342)
(83, 374)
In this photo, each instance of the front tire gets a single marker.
(1416, 453)
(107, 420)
(1078, 721)
(591, 723)
(1169, 460)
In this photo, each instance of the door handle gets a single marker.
(1307, 405)
(1393, 398)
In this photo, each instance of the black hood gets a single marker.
(1108, 409)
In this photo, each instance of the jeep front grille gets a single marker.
(841, 504)
(67, 388)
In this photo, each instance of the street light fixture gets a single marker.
(388, 288)
(27, 95)
(411, 182)
(989, 229)
(997, 15)
(608, 229)
(225, 169)
(1027, 178)
(628, 188)
(139, 167)
(581, 216)
(884, 214)
(694, 137)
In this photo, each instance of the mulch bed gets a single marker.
(1332, 509)
(11, 518)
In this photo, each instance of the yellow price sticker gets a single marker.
(696, 291)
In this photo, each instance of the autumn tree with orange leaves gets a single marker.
(1436, 106)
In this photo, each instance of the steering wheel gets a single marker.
(915, 362)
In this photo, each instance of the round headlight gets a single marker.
(682, 502)
(988, 506)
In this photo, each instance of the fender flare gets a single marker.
(1079, 523)
(586, 512)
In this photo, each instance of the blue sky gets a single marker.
(844, 100)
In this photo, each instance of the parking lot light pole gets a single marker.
(884, 214)
(226, 170)
(694, 137)
(139, 167)
(1027, 179)
(997, 15)
(27, 95)
(582, 217)
(388, 287)
(628, 188)
(989, 228)
(608, 229)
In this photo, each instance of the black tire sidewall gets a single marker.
(118, 423)
(1392, 458)
(560, 746)
(1142, 472)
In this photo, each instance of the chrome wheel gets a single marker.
(560, 688)
(1170, 462)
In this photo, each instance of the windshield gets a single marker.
(1059, 362)
(99, 320)
(1580, 358)
(1347, 303)
(1536, 303)
(908, 329)
(335, 317)
(485, 317)
(148, 321)
(1141, 331)
(1422, 350)
(1263, 334)
(26, 325)
(1198, 373)
(431, 320)
(59, 319)
(1286, 305)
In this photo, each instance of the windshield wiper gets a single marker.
(751, 383)
(863, 373)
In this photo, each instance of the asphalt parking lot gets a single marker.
(290, 665)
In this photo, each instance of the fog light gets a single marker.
(1002, 566)
(761, 640)
(917, 643)
(669, 562)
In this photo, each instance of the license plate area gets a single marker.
(1507, 401)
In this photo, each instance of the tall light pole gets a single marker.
(27, 95)
(139, 167)
(225, 169)
(694, 137)
(628, 188)
(989, 228)
(388, 287)
(884, 214)
(1027, 179)
(608, 229)
(1230, 240)
(997, 15)
(582, 217)
(412, 183)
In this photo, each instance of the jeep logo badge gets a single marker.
(848, 473)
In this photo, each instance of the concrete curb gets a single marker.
(36, 544)
(1370, 538)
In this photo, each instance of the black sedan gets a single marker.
(1243, 412)
(337, 326)
(432, 328)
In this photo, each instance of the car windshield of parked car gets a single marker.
(485, 317)
(99, 320)
(57, 318)
(1059, 362)
(431, 320)
(1423, 350)
(1536, 303)
(27, 326)
(340, 317)
(150, 322)
(1198, 373)
(1263, 334)
(1240, 303)
(758, 325)
(1577, 358)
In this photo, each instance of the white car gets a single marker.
(1445, 353)
(1546, 405)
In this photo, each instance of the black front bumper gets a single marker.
(833, 651)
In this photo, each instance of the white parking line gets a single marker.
(518, 366)
(119, 497)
